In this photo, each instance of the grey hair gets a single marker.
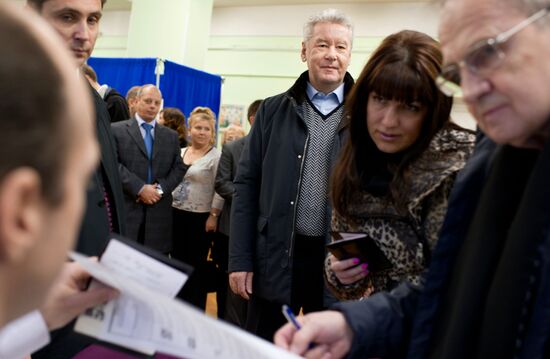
(332, 16)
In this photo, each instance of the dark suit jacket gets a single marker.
(167, 171)
(94, 231)
(227, 169)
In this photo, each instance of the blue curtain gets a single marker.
(181, 86)
(122, 74)
(187, 88)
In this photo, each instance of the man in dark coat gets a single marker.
(150, 167)
(280, 214)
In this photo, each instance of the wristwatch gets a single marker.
(213, 214)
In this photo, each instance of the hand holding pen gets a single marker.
(316, 335)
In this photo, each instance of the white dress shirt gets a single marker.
(23, 336)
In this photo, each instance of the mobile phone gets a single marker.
(359, 245)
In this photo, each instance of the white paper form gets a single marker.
(181, 330)
(126, 320)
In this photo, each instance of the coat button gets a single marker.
(292, 203)
(299, 156)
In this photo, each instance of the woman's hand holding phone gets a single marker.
(348, 271)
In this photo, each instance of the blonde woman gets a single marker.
(196, 205)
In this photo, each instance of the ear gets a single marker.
(21, 213)
(303, 52)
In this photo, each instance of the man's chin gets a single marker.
(80, 57)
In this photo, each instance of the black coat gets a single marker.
(116, 105)
(266, 188)
(227, 169)
(94, 231)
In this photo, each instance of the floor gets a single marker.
(211, 306)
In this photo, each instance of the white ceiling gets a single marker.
(126, 4)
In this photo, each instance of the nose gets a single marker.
(473, 86)
(390, 118)
(82, 31)
(331, 53)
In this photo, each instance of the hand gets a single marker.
(241, 283)
(149, 194)
(211, 224)
(328, 330)
(348, 271)
(67, 298)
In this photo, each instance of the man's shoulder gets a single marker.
(235, 144)
(119, 127)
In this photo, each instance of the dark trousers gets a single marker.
(231, 307)
(191, 245)
(264, 317)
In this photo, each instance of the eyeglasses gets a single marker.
(483, 58)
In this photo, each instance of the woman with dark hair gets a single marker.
(173, 118)
(398, 166)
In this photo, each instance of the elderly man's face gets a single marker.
(327, 54)
(511, 103)
(77, 21)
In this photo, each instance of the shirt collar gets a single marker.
(141, 121)
(312, 91)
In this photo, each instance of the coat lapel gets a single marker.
(159, 133)
(135, 133)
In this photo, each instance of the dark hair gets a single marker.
(175, 119)
(37, 4)
(253, 108)
(89, 71)
(32, 108)
(403, 68)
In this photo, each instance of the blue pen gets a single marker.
(291, 318)
(287, 312)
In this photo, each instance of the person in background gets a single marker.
(131, 99)
(150, 168)
(232, 132)
(116, 103)
(173, 118)
(487, 291)
(196, 205)
(395, 173)
(280, 210)
(233, 306)
(48, 153)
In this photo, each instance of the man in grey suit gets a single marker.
(150, 168)
(233, 307)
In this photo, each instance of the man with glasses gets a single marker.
(487, 291)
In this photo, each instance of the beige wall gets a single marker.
(256, 48)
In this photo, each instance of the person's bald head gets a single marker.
(48, 151)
